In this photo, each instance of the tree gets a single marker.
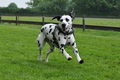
(34, 3)
(50, 6)
(13, 6)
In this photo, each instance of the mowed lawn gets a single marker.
(19, 53)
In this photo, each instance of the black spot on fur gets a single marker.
(38, 44)
(53, 33)
(59, 38)
(62, 45)
(54, 38)
(58, 33)
(68, 37)
(47, 33)
(62, 50)
(64, 37)
(76, 51)
(45, 27)
(73, 44)
(50, 26)
(50, 30)
(42, 29)
(61, 20)
(55, 41)
(67, 19)
(68, 43)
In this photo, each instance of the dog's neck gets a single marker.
(65, 33)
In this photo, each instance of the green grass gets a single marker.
(88, 21)
(19, 53)
(103, 22)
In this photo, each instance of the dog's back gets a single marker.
(48, 34)
(48, 30)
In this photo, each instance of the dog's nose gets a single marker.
(63, 25)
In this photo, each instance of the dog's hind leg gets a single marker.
(52, 48)
(41, 43)
(40, 54)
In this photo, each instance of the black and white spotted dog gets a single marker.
(58, 36)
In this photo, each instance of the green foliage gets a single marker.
(97, 7)
(6, 10)
(34, 3)
(20, 11)
(19, 52)
(51, 6)
(12, 6)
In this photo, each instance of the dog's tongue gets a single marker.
(66, 27)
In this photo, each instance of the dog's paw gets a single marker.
(69, 58)
(81, 61)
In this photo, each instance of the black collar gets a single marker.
(65, 33)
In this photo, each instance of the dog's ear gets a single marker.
(56, 17)
(72, 14)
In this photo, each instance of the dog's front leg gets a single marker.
(75, 49)
(77, 53)
(61, 43)
(68, 57)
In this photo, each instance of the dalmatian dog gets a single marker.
(59, 35)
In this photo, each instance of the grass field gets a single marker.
(88, 21)
(19, 52)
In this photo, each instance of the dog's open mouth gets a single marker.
(65, 28)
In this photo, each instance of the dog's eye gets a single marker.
(61, 20)
(67, 19)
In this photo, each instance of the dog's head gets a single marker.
(65, 21)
